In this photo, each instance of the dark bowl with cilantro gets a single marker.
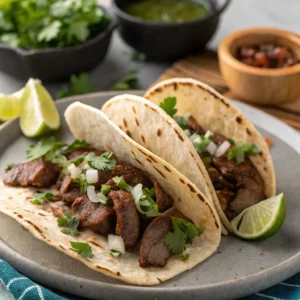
(168, 29)
(52, 39)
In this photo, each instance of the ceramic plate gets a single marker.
(238, 268)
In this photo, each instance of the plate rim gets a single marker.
(238, 287)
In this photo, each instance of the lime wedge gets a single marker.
(10, 105)
(260, 220)
(38, 112)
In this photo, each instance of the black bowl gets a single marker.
(56, 63)
(167, 41)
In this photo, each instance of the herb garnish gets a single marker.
(121, 183)
(103, 195)
(129, 82)
(168, 105)
(71, 224)
(83, 249)
(206, 159)
(200, 142)
(183, 233)
(231, 141)
(241, 150)
(44, 24)
(184, 256)
(115, 253)
(81, 180)
(9, 167)
(182, 121)
(40, 198)
(80, 84)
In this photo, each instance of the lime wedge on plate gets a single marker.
(260, 220)
(10, 105)
(38, 112)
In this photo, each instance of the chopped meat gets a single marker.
(96, 216)
(128, 221)
(163, 200)
(66, 183)
(194, 126)
(131, 175)
(71, 195)
(38, 173)
(77, 152)
(225, 197)
(246, 178)
(153, 251)
(218, 181)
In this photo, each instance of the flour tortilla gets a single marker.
(93, 126)
(151, 127)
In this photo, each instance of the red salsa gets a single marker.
(267, 56)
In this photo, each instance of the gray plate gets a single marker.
(237, 269)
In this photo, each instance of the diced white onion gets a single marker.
(74, 171)
(208, 134)
(137, 193)
(195, 138)
(92, 194)
(187, 132)
(116, 243)
(211, 148)
(92, 176)
(222, 148)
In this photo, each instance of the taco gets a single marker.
(204, 137)
(110, 203)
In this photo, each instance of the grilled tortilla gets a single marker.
(102, 134)
(154, 129)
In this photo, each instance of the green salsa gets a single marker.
(168, 10)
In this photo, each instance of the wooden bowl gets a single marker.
(263, 86)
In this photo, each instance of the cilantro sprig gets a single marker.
(168, 105)
(71, 224)
(183, 233)
(9, 166)
(240, 151)
(79, 85)
(129, 82)
(83, 249)
(40, 198)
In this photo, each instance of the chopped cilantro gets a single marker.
(115, 253)
(41, 24)
(39, 198)
(9, 167)
(183, 233)
(184, 256)
(239, 152)
(129, 82)
(81, 180)
(120, 182)
(42, 147)
(71, 224)
(200, 142)
(80, 84)
(182, 121)
(168, 105)
(231, 141)
(75, 145)
(103, 162)
(206, 159)
(83, 249)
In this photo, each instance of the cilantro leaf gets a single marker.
(103, 162)
(115, 253)
(75, 145)
(184, 256)
(83, 249)
(39, 149)
(206, 159)
(239, 152)
(183, 233)
(40, 198)
(129, 82)
(49, 32)
(231, 141)
(9, 167)
(182, 121)
(80, 84)
(79, 30)
(200, 142)
(72, 226)
(168, 105)
(81, 180)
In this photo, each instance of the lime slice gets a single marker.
(260, 220)
(10, 105)
(38, 112)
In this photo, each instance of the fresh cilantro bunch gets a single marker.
(40, 24)
(240, 151)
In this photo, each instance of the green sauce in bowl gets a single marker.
(168, 11)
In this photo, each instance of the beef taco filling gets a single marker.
(237, 182)
(88, 189)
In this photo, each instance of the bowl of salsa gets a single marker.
(168, 29)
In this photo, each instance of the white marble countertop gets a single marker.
(240, 14)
